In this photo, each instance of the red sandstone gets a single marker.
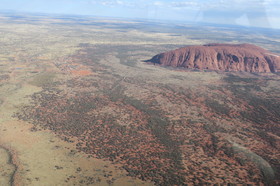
(221, 57)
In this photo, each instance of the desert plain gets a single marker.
(80, 106)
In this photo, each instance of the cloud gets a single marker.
(185, 4)
(228, 5)
(110, 3)
(158, 3)
(220, 11)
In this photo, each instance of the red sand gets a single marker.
(81, 72)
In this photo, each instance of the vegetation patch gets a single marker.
(217, 107)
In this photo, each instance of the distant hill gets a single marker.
(221, 57)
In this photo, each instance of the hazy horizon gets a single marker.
(252, 13)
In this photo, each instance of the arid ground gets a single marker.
(79, 106)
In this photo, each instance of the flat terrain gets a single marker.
(79, 106)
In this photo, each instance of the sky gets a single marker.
(251, 13)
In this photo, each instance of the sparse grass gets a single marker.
(44, 79)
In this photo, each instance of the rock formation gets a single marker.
(221, 57)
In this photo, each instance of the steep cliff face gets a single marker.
(222, 57)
